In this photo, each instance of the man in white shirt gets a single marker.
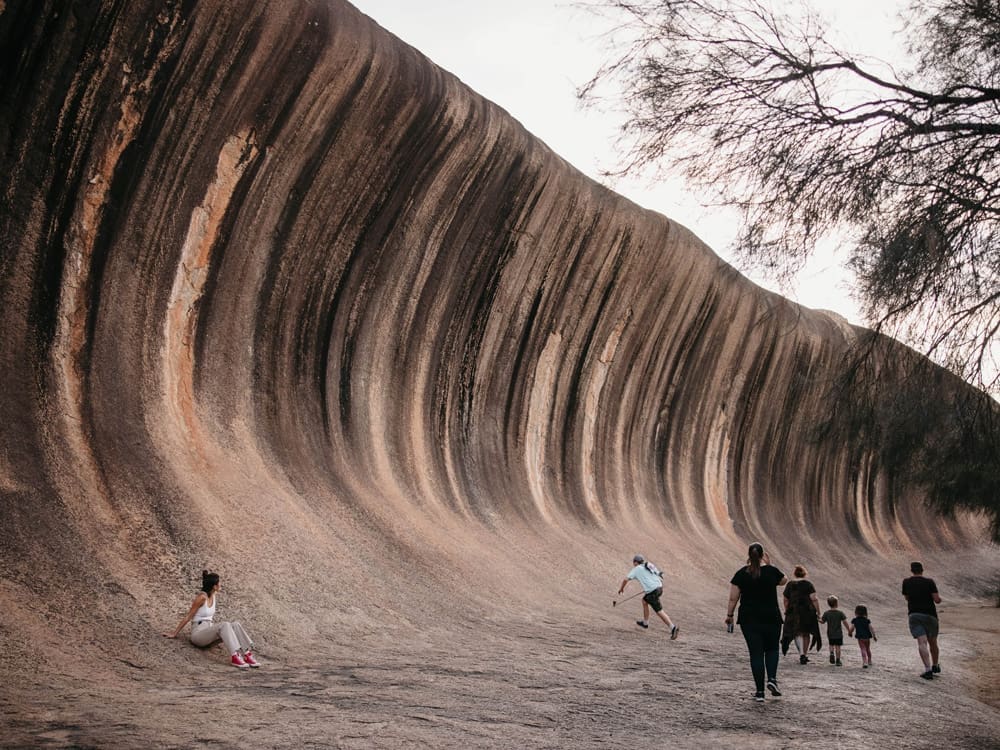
(651, 580)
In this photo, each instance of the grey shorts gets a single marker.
(921, 624)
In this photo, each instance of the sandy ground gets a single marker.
(544, 683)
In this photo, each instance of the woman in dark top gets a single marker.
(802, 613)
(754, 587)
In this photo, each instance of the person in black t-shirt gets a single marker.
(754, 587)
(921, 595)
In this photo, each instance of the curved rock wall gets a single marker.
(279, 293)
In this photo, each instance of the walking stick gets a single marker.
(614, 602)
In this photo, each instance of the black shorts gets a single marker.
(836, 641)
(652, 598)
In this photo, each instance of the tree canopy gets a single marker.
(810, 141)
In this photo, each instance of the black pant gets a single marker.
(762, 643)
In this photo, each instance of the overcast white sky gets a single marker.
(529, 56)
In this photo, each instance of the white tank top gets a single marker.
(205, 613)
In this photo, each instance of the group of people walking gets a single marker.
(803, 619)
(754, 587)
(768, 634)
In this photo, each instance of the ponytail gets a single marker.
(755, 555)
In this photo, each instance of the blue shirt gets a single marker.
(647, 580)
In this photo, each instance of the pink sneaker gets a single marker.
(250, 661)
(237, 661)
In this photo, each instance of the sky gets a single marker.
(530, 56)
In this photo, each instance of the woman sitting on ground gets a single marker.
(204, 632)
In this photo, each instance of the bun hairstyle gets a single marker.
(755, 555)
(208, 581)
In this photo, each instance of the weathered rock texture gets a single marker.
(282, 298)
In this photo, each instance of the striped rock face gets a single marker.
(283, 299)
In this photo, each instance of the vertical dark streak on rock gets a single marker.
(266, 125)
(283, 234)
(486, 292)
(519, 376)
(574, 417)
(486, 245)
(746, 488)
(410, 169)
(569, 428)
(64, 156)
(677, 401)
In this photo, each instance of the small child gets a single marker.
(861, 628)
(834, 619)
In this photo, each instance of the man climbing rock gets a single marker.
(651, 580)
